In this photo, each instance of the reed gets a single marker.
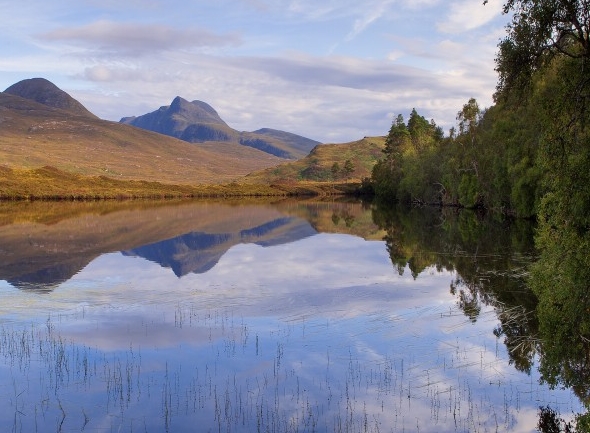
(235, 383)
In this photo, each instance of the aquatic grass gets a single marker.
(252, 375)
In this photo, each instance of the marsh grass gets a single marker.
(282, 377)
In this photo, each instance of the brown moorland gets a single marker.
(48, 152)
(34, 135)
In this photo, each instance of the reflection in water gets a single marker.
(490, 258)
(199, 252)
(187, 237)
(288, 317)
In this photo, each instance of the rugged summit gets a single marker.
(198, 122)
(45, 92)
(195, 122)
(177, 117)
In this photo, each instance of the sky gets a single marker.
(331, 70)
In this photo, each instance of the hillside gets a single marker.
(61, 133)
(198, 122)
(327, 162)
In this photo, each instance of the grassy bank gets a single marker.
(49, 183)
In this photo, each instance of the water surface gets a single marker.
(289, 316)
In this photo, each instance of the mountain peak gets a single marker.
(178, 104)
(45, 92)
(198, 122)
(195, 111)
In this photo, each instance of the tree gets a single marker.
(335, 170)
(543, 62)
(396, 139)
(469, 118)
(546, 57)
(421, 131)
(410, 169)
(348, 168)
(541, 30)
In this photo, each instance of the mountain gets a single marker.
(198, 122)
(45, 92)
(297, 142)
(189, 121)
(41, 125)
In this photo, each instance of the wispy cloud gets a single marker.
(370, 15)
(337, 71)
(295, 92)
(467, 15)
(262, 63)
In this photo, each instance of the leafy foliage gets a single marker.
(551, 41)
(540, 32)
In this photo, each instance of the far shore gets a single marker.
(49, 183)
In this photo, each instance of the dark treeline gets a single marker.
(529, 156)
(489, 161)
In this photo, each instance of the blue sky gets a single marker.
(333, 70)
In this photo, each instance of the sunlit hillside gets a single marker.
(327, 162)
(35, 135)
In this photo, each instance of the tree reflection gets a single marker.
(490, 259)
(542, 301)
(561, 281)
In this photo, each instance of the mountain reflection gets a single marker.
(199, 252)
(43, 245)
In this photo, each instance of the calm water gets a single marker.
(265, 317)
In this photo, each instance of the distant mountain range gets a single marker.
(184, 143)
(198, 122)
(41, 125)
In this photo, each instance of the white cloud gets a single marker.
(370, 15)
(419, 4)
(105, 73)
(467, 15)
(313, 96)
(262, 63)
(137, 39)
(394, 55)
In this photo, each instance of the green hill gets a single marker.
(327, 162)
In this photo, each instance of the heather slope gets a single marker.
(327, 163)
(34, 135)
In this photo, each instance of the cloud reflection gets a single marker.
(322, 330)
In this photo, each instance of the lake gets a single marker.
(266, 316)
